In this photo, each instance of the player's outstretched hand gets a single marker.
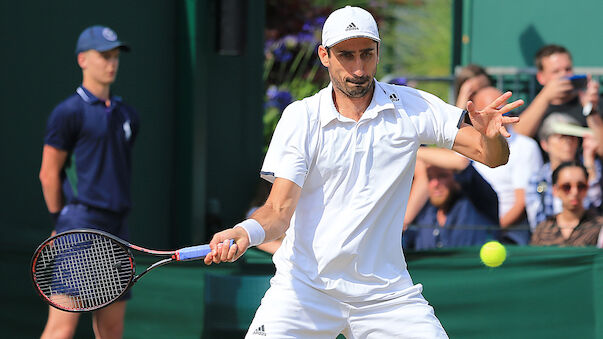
(222, 251)
(490, 121)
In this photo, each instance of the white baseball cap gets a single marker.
(347, 23)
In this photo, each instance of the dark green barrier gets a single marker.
(536, 293)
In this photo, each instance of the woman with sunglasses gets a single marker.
(574, 226)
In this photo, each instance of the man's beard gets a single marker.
(355, 87)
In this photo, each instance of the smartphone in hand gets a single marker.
(578, 81)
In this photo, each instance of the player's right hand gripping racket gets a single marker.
(84, 270)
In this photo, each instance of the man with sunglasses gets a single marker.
(574, 225)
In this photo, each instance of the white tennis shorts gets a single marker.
(296, 310)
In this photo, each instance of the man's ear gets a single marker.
(544, 145)
(540, 77)
(323, 55)
(81, 59)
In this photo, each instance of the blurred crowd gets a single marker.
(548, 194)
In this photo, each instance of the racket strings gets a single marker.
(82, 271)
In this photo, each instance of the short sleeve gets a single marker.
(288, 154)
(62, 128)
(437, 123)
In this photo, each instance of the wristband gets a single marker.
(254, 230)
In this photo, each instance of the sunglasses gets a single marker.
(567, 187)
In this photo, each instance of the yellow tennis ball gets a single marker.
(493, 254)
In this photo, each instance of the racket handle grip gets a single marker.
(194, 252)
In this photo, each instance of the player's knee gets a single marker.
(58, 332)
(112, 330)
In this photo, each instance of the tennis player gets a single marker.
(342, 163)
(85, 171)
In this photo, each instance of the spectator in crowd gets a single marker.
(462, 205)
(561, 146)
(468, 81)
(574, 225)
(511, 180)
(554, 67)
(86, 165)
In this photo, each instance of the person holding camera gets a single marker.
(562, 92)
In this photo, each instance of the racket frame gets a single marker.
(126, 246)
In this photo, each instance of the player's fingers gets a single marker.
(225, 250)
(500, 100)
(215, 240)
(217, 253)
(511, 106)
(503, 132)
(208, 259)
(510, 120)
(232, 252)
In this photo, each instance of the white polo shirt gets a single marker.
(345, 235)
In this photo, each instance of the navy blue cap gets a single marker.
(99, 38)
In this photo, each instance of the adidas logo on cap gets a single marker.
(351, 27)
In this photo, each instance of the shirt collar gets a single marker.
(328, 112)
(90, 98)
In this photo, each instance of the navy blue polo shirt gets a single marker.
(99, 141)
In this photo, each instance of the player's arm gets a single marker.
(273, 218)
(485, 140)
(53, 160)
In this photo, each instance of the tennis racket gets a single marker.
(84, 270)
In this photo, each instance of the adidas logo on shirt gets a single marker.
(259, 331)
(351, 27)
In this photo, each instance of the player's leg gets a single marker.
(407, 316)
(108, 322)
(60, 324)
(295, 310)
